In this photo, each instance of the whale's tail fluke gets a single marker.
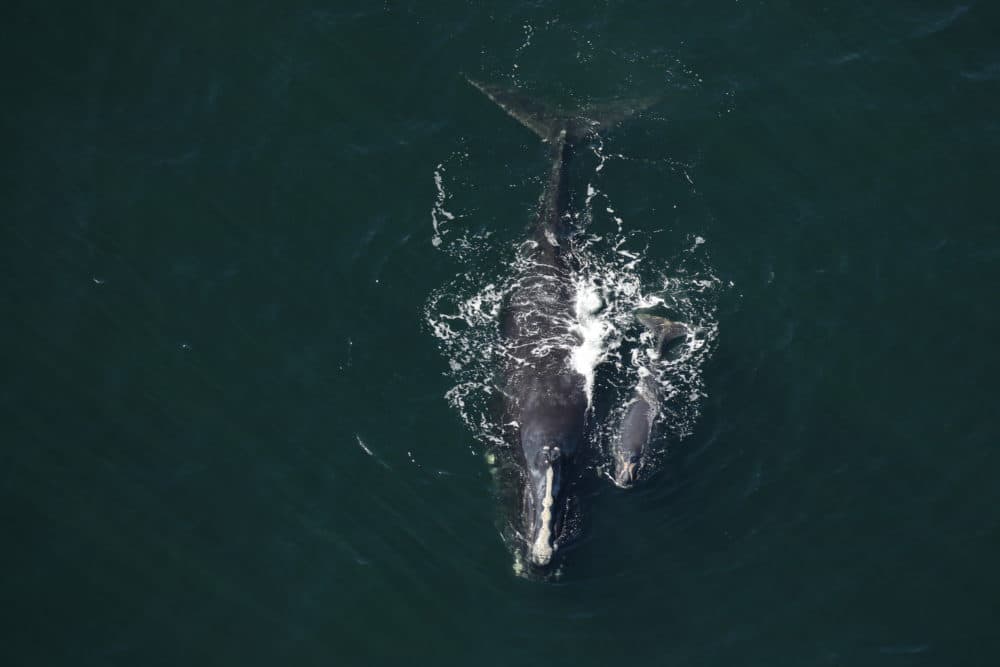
(561, 129)
(664, 331)
(549, 121)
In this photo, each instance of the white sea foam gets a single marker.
(367, 450)
(361, 443)
(439, 214)
(594, 332)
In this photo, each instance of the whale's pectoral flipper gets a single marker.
(636, 428)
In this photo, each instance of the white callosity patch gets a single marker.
(541, 550)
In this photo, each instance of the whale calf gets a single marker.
(636, 428)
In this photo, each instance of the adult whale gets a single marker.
(545, 398)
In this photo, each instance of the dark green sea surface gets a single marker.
(223, 425)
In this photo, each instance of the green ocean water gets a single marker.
(225, 437)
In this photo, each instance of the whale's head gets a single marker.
(544, 504)
(627, 464)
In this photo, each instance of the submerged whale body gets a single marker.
(546, 399)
